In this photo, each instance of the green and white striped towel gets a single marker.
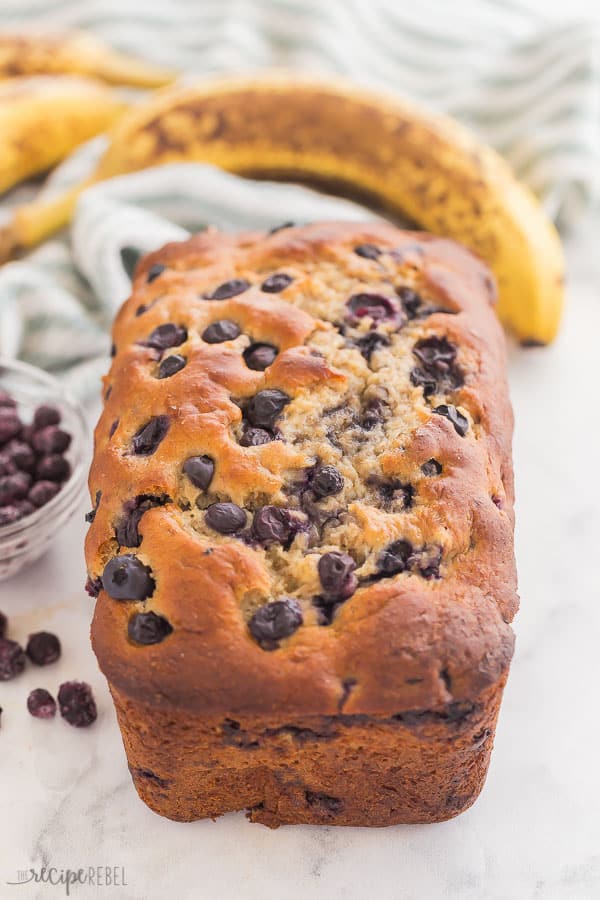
(526, 83)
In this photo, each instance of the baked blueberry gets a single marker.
(148, 628)
(125, 577)
(378, 307)
(428, 562)
(170, 365)
(76, 703)
(226, 518)
(370, 342)
(438, 371)
(373, 414)
(254, 437)
(154, 271)
(276, 524)
(460, 422)
(223, 330)
(93, 586)
(396, 558)
(420, 378)
(146, 440)
(411, 301)
(274, 621)
(392, 490)
(3, 623)
(50, 439)
(336, 574)
(126, 530)
(91, 515)
(53, 467)
(12, 659)
(229, 289)
(45, 415)
(431, 467)
(264, 408)
(326, 481)
(200, 471)
(113, 427)
(276, 283)
(42, 492)
(259, 356)
(436, 354)
(165, 336)
(368, 251)
(41, 704)
(43, 648)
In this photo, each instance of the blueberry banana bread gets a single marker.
(302, 536)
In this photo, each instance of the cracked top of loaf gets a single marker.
(302, 482)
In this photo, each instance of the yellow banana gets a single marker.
(75, 53)
(42, 119)
(356, 143)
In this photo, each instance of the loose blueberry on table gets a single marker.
(12, 659)
(41, 704)
(43, 648)
(76, 703)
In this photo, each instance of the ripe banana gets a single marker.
(75, 53)
(43, 118)
(355, 143)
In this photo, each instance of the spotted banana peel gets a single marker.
(364, 145)
(42, 119)
(33, 53)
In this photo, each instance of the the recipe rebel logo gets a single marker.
(95, 876)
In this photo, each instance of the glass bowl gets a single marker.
(24, 541)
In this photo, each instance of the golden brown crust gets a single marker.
(402, 643)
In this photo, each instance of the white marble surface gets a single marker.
(66, 799)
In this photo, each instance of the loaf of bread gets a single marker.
(302, 536)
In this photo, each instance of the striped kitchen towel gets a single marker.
(527, 83)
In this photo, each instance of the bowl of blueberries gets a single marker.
(43, 457)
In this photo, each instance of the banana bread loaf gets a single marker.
(302, 536)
